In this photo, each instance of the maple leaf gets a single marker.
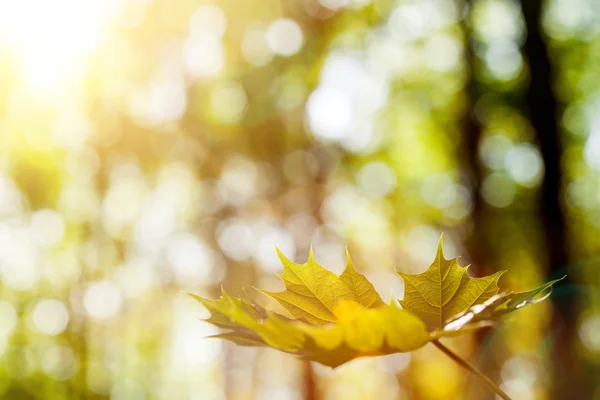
(368, 332)
(231, 314)
(314, 293)
(339, 318)
(489, 312)
(445, 290)
(352, 336)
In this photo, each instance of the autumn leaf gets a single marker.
(222, 311)
(490, 312)
(249, 324)
(520, 300)
(314, 293)
(445, 290)
(353, 336)
(375, 331)
(339, 318)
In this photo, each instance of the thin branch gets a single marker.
(487, 381)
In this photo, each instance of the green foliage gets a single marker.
(339, 318)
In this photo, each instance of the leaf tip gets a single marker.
(499, 275)
(402, 274)
(284, 260)
(349, 264)
(199, 299)
(440, 247)
(311, 255)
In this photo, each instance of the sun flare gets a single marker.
(50, 41)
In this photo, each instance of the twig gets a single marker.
(487, 381)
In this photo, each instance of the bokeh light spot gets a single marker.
(255, 48)
(498, 190)
(50, 316)
(376, 179)
(330, 113)
(284, 37)
(442, 53)
(236, 239)
(589, 333)
(228, 102)
(102, 300)
(204, 55)
(504, 60)
(208, 19)
(9, 318)
(524, 163)
(493, 149)
(47, 227)
(192, 261)
(59, 362)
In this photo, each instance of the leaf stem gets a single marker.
(487, 381)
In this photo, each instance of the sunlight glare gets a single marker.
(51, 40)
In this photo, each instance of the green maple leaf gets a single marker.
(339, 318)
(445, 290)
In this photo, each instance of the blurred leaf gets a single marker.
(314, 293)
(445, 290)
(359, 331)
(489, 312)
(251, 324)
(222, 310)
(522, 299)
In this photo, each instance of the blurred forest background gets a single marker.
(153, 146)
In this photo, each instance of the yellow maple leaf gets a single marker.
(360, 332)
(314, 293)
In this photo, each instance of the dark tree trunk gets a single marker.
(543, 114)
(475, 241)
(569, 375)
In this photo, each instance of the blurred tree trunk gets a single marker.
(475, 241)
(568, 375)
